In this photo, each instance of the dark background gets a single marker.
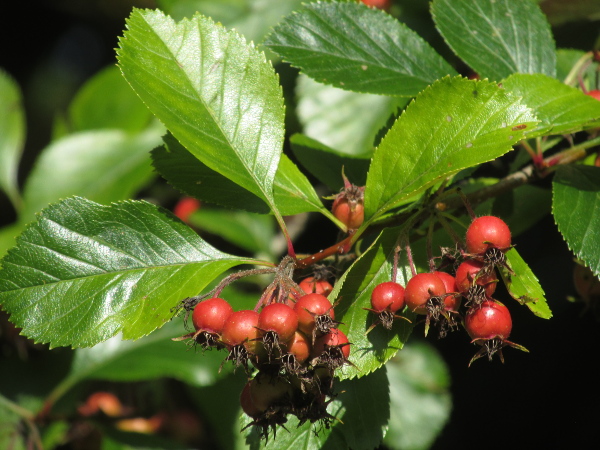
(548, 398)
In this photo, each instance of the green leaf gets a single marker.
(454, 124)
(353, 292)
(103, 166)
(497, 37)
(92, 109)
(252, 232)
(561, 109)
(420, 399)
(354, 47)
(216, 94)
(524, 286)
(150, 357)
(12, 136)
(576, 209)
(329, 115)
(326, 163)
(293, 192)
(250, 18)
(84, 272)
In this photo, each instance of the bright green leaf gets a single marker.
(561, 109)
(93, 109)
(84, 271)
(329, 115)
(102, 165)
(293, 192)
(326, 163)
(251, 18)
(12, 136)
(353, 291)
(454, 124)
(497, 37)
(420, 397)
(214, 92)
(576, 209)
(354, 47)
(524, 286)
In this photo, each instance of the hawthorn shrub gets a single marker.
(399, 148)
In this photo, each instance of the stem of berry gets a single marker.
(410, 259)
(337, 249)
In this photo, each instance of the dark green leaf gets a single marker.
(330, 116)
(420, 397)
(524, 286)
(357, 48)
(93, 109)
(576, 208)
(252, 232)
(497, 37)
(216, 94)
(103, 166)
(293, 192)
(326, 163)
(353, 291)
(454, 124)
(561, 109)
(153, 356)
(12, 136)
(84, 272)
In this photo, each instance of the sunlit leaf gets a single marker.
(84, 272)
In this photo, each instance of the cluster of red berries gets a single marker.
(439, 295)
(294, 347)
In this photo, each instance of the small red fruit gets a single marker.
(451, 302)
(299, 346)
(487, 232)
(348, 206)
(280, 318)
(388, 296)
(241, 328)
(335, 339)
(420, 289)
(594, 93)
(491, 320)
(312, 285)
(186, 207)
(309, 309)
(471, 272)
(211, 315)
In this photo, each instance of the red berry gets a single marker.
(211, 315)
(381, 4)
(594, 93)
(348, 206)
(491, 320)
(241, 328)
(312, 285)
(185, 207)
(486, 232)
(336, 339)
(421, 288)
(468, 271)
(246, 402)
(310, 306)
(280, 318)
(451, 302)
(388, 296)
(299, 346)
(266, 391)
